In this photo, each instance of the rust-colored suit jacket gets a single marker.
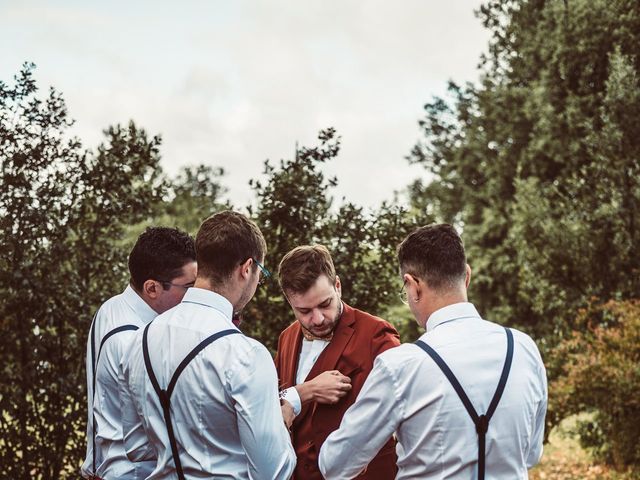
(357, 340)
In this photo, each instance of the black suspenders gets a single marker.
(94, 366)
(165, 394)
(481, 421)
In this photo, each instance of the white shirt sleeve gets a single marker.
(537, 434)
(365, 427)
(136, 443)
(292, 396)
(263, 434)
(87, 467)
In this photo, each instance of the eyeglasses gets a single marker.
(265, 273)
(186, 286)
(404, 295)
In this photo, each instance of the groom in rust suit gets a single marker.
(324, 358)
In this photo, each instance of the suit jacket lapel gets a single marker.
(291, 356)
(341, 336)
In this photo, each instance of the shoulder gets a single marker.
(114, 313)
(528, 346)
(246, 349)
(400, 361)
(406, 352)
(247, 358)
(291, 332)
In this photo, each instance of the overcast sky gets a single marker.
(232, 83)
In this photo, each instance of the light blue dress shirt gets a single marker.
(407, 394)
(225, 409)
(111, 461)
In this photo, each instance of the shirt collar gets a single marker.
(142, 308)
(452, 312)
(211, 299)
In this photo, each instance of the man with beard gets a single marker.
(325, 356)
(199, 397)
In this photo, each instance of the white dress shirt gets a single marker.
(408, 394)
(309, 353)
(111, 461)
(224, 408)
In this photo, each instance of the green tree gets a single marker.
(600, 375)
(193, 195)
(539, 162)
(62, 209)
(294, 207)
(531, 148)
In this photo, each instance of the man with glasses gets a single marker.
(468, 399)
(325, 356)
(199, 397)
(162, 267)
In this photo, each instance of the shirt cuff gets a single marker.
(291, 395)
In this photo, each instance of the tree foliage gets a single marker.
(600, 374)
(294, 207)
(68, 219)
(539, 162)
(62, 209)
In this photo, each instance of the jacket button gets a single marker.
(307, 466)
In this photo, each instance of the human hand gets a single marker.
(287, 413)
(329, 387)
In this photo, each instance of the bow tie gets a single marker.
(310, 336)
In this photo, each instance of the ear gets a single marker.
(467, 278)
(338, 286)
(151, 289)
(413, 287)
(245, 268)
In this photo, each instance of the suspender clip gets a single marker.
(482, 425)
(164, 399)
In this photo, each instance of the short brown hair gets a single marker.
(224, 241)
(302, 266)
(435, 254)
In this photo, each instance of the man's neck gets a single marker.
(144, 298)
(221, 290)
(443, 301)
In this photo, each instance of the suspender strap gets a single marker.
(94, 367)
(165, 395)
(480, 421)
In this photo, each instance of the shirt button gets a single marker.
(307, 466)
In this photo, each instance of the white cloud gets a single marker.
(233, 83)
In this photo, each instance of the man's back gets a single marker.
(106, 345)
(436, 436)
(224, 409)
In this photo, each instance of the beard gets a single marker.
(324, 332)
(245, 297)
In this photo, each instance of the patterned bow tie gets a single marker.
(310, 336)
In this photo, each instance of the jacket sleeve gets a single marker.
(384, 338)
